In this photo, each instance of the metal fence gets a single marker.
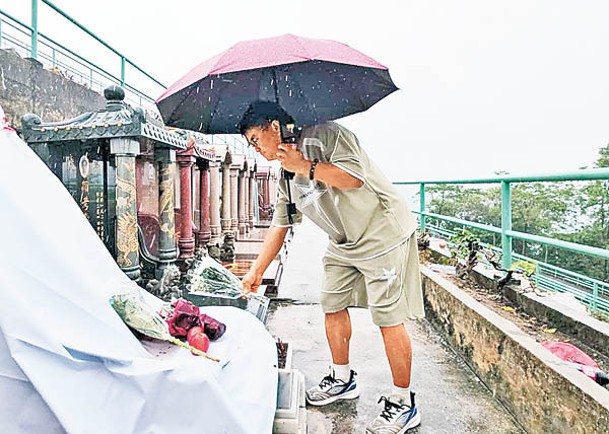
(592, 292)
(28, 41)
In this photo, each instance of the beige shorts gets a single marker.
(389, 285)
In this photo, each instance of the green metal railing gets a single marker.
(594, 293)
(14, 33)
(43, 48)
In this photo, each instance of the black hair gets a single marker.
(262, 113)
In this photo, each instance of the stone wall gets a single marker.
(542, 393)
(26, 87)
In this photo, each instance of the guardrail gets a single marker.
(61, 59)
(594, 293)
(16, 34)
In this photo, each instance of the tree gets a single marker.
(563, 210)
(594, 204)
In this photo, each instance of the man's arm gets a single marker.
(331, 175)
(270, 247)
(292, 160)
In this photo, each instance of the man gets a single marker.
(371, 258)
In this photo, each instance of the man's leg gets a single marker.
(340, 384)
(399, 412)
(399, 353)
(338, 333)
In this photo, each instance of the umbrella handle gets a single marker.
(291, 206)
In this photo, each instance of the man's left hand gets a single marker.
(292, 160)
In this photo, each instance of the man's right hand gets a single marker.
(251, 281)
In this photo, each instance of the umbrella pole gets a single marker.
(291, 206)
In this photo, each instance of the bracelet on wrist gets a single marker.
(312, 169)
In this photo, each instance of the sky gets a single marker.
(520, 86)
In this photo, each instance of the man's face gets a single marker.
(265, 140)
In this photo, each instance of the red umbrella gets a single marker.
(314, 80)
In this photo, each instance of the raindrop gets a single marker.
(211, 84)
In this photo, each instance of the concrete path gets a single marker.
(450, 397)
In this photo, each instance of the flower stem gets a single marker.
(192, 349)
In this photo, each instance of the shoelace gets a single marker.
(391, 408)
(327, 381)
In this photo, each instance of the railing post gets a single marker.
(593, 305)
(537, 273)
(422, 207)
(34, 50)
(506, 224)
(122, 72)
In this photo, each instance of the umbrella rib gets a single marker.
(182, 101)
(305, 97)
(304, 48)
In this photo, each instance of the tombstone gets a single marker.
(99, 157)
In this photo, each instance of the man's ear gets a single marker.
(275, 125)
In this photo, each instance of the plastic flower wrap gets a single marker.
(140, 316)
(211, 277)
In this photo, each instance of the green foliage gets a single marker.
(600, 316)
(466, 246)
(463, 242)
(527, 267)
(603, 160)
(570, 211)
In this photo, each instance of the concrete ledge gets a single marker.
(544, 395)
(576, 323)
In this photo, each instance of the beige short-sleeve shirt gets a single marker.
(361, 223)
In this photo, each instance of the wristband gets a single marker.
(312, 169)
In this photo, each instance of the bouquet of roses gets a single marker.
(140, 316)
(181, 315)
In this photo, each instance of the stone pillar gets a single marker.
(214, 202)
(225, 221)
(127, 245)
(234, 199)
(252, 199)
(168, 252)
(266, 203)
(187, 239)
(243, 194)
(204, 229)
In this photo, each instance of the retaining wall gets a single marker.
(544, 395)
(26, 87)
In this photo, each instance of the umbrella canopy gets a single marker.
(314, 80)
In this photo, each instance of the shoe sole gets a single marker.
(412, 423)
(352, 394)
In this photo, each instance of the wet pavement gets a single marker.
(450, 397)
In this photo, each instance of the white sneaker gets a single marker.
(396, 418)
(331, 389)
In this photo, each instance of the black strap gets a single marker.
(291, 206)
